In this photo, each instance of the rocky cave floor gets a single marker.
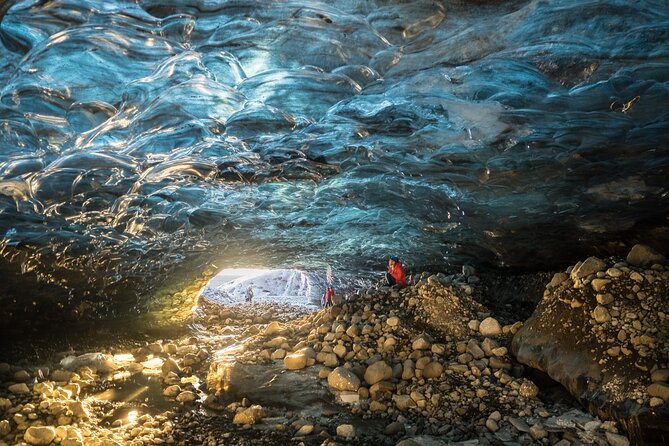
(427, 365)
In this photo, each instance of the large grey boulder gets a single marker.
(604, 351)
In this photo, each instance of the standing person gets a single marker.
(249, 294)
(328, 296)
(395, 274)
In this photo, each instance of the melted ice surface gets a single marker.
(142, 138)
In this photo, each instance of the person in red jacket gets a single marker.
(395, 274)
(328, 297)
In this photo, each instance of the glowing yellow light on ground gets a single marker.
(132, 416)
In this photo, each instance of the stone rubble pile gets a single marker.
(602, 330)
(67, 404)
(428, 359)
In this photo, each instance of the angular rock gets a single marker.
(599, 284)
(591, 265)
(346, 430)
(251, 415)
(274, 328)
(343, 379)
(642, 255)
(403, 402)
(601, 314)
(421, 343)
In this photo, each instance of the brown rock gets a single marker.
(378, 371)
(433, 370)
(659, 390)
(343, 379)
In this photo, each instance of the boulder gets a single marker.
(39, 435)
(379, 371)
(602, 367)
(274, 328)
(342, 379)
(591, 265)
(642, 255)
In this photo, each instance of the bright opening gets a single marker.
(289, 286)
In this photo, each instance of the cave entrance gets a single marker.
(270, 286)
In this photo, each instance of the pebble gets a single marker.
(491, 425)
(346, 431)
(21, 376)
(528, 389)
(170, 366)
(5, 428)
(537, 432)
(305, 430)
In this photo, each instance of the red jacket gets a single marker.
(397, 271)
